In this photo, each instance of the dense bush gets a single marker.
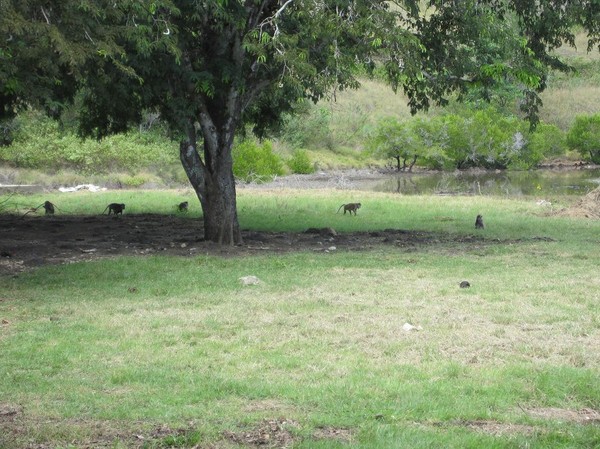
(300, 163)
(547, 141)
(486, 139)
(254, 162)
(40, 143)
(584, 136)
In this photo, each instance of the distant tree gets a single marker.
(300, 162)
(211, 67)
(396, 140)
(584, 136)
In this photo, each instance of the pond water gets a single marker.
(505, 183)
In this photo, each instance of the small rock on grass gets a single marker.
(249, 280)
(407, 327)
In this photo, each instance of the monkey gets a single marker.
(115, 208)
(49, 207)
(464, 284)
(183, 207)
(350, 207)
(479, 222)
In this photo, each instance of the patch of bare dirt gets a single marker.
(333, 433)
(32, 241)
(586, 207)
(272, 433)
(8, 412)
(352, 179)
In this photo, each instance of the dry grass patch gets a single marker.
(267, 405)
(586, 207)
(366, 309)
(88, 434)
(497, 428)
(583, 416)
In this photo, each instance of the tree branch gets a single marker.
(45, 16)
(210, 135)
(272, 19)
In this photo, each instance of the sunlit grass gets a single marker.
(297, 210)
(131, 344)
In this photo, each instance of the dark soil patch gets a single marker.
(333, 433)
(33, 241)
(272, 433)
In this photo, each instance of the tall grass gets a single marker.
(319, 343)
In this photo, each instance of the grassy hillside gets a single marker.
(352, 114)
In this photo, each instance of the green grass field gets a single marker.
(163, 352)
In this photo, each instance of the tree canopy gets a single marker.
(211, 68)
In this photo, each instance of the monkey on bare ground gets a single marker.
(350, 207)
(115, 208)
(479, 222)
(48, 207)
(183, 207)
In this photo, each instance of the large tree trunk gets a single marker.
(216, 191)
(220, 213)
(218, 117)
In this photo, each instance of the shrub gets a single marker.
(137, 180)
(39, 142)
(487, 139)
(300, 163)
(584, 136)
(254, 162)
(547, 141)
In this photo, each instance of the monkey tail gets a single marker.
(30, 210)
(104, 210)
(338, 211)
(33, 209)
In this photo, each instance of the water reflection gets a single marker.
(535, 182)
